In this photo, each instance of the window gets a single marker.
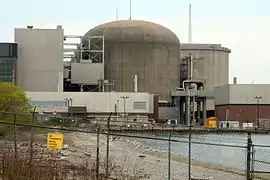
(6, 69)
(49, 104)
(139, 105)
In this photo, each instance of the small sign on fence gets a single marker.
(55, 141)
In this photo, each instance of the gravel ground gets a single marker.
(134, 159)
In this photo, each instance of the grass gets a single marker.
(7, 129)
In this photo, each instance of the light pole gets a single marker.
(258, 98)
(117, 108)
(69, 104)
(124, 98)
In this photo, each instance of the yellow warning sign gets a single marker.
(55, 141)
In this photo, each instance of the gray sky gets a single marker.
(242, 26)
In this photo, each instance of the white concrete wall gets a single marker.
(245, 93)
(96, 102)
(40, 59)
(242, 94)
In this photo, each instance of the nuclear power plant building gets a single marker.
(132, 67)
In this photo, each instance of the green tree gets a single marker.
(13, 98)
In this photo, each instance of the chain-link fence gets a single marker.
(91, 151)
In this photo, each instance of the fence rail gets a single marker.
(102, 152)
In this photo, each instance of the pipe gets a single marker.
(189, 26)
(135, 83)
(191, 66)
(235, 80)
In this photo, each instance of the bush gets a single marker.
(54, 121)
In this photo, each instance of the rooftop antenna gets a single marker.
(116, 14)
(189, 26)
(129, 9)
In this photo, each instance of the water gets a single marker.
(233, 157)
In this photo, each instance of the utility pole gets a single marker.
(258, 98)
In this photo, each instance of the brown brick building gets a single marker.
(243, 113)
(238, 102)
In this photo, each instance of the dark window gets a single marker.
(6, 69)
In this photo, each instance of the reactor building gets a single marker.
(143, 49)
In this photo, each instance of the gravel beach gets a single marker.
(135, 159)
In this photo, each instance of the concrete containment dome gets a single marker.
(146, 49)
(135, 31)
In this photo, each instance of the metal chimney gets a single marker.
(235, 80)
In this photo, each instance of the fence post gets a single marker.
(97, 160)
(15, 136)
(3, 166)
(249, 145)
(169, 156)
(108, 146)
(32, 141)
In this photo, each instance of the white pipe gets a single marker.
(191, 67)
(135, 83)
(189, 26)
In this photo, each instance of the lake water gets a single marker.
(234, 157)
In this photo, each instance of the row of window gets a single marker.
(6, 70)
(6, 78)
(63, 104)
(49, 104)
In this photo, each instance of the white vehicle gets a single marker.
(172, 122)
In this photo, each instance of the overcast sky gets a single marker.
(243, 26)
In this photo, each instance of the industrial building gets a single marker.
(246, 103)
(99, 104)
(137, 59)
(40, 59)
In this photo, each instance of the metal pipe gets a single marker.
(135, 83)
(191, 66)
(189, 26)
(116, 14)
(130, 9)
